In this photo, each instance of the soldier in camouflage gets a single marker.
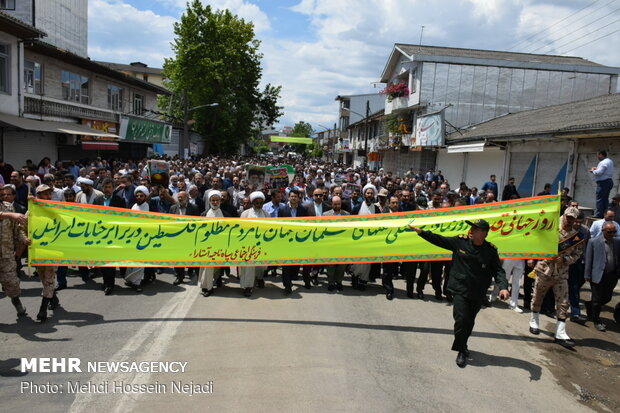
(11, 235)
(554, 274)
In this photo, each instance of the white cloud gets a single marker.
(244, 9)
(118, 32)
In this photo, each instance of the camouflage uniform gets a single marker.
(550, 274)
(47, 275)
(10, 235)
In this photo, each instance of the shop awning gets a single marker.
(100, 146)
(468, 147)
(49, 126)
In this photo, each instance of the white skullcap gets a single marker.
(255, 195)
(142, 189)
(82, 180)
(370, 186)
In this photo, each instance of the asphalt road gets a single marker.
(313, 351)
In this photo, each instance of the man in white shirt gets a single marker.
(603, 175)
(596, 227)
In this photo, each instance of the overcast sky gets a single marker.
(318, 49)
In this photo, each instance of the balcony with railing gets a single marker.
(44, 106)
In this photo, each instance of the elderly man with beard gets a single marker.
(361, 272)
(208, 274)
(196, 199)
(250, 274)
(183, 207)
(136, 276)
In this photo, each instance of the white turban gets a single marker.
(370, 186)
(212, 193)
(255, 195)
(82, 180)
(142, 189)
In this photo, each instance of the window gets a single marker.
(33, 77)
(138, 104)
(74, 87)
(4, 68)
(7, 4)
(115, 98)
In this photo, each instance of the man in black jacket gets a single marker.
(475, 262)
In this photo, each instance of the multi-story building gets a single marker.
(465, 87)
(57, 104)
(64, 21)
(352, 109)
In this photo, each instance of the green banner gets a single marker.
(290, 139)
(76, 234)
(143, 130)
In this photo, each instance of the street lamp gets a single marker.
(183, 142)
(367, 129)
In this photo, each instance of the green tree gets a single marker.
(302, 129)
(217, 61)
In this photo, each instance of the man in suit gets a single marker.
(602, 269)
(126, 190)
(9, 194)
(108, 199)
(291, 209)
(183, 207)
(195, 198)
(316, 208)
(335, 272)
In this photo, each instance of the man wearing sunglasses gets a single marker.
(602, 270)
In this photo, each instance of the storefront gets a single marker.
(138, 135)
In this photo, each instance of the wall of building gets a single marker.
(9, 102)
(98, 92)
(473, 168)
(23, 11)
(473, 94)
(65, 22)
(400, 163)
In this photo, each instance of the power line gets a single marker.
(582, 18)
(555, 24)
(574, 31)
(592, 41)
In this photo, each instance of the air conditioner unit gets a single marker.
(67, 139)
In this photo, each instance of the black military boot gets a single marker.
(54, 302)
(21, 310)
(42, 316)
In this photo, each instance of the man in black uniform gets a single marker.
(474, 262)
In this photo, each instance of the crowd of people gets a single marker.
(218, 187)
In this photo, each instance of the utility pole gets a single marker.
(183, 141)
(367, 134)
